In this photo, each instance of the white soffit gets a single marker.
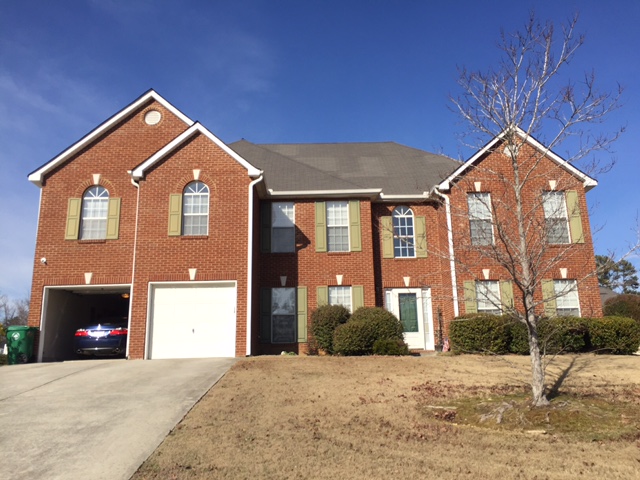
(139, 172)
(587, 181)
(36, 177)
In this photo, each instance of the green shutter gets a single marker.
(73, 219)
(575, 220)
(113, 219)
(470, 302)
(386, 224)
(323, 296)
(265, 228)
(357, 297)
(548, 296)
(421, 237)
(321, 227)
(355, 235)
(506, 295)
(175, 214)
(302, 314)
(265, 315)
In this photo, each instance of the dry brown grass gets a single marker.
(372, 417)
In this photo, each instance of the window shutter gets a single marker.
(548, 294)
(357, 297)
(265, 227)
(575, 220)
(302, 314)
(506, 295)
(421, 236)
(73, 219)
(321, 227)
(470, 302)
(355, 235)
(265, 315)
(175, 214)
(323, 296)
(386, 224)
(113, 219)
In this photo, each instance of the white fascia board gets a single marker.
(139, 172)
(36, 177)
(587, 181)
(369, 193)
(405, 197)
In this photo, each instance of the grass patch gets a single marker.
(378, 417)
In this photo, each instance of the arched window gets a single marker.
(95, 207)
(195, 209)
(403, 233)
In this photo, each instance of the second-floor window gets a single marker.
(338, 226)
(195, 209)
(555, 215)
(95, 207)
(283, 231)
(403, 233)
(480, 220)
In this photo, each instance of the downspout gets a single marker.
(452, 260)
(250, 262)
(133, 266)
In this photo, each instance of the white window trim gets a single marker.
(342, 204)
(202, 191)
(343, 289)
(409, 239)
(557, 215)
(488, 215)
(274, 220)
(564, 290)
(94, 195)
(493, 298)
(294, 315)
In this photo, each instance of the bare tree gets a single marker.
(534, 111)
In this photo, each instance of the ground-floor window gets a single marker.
(340, 296)
(283, 315)
(567, 302)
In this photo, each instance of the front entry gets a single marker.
(413, 307)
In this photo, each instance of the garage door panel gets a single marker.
(193, 321)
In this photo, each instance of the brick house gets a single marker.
(211, 249)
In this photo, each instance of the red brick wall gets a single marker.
(120, 149)
(577, 258)
(220, 255)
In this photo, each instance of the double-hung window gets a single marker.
(480, 220)
(340, 296)
(195, 209)
(403, 233)
(95, 206)
(488, 297)
(555, 214)
(338, 226)
(567, 302)
(283, 315)
(283, 232)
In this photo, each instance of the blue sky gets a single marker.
(283, 71)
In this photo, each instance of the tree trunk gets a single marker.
(537, 370)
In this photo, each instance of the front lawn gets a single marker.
(409, 417)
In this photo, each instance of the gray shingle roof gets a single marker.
(394, 168)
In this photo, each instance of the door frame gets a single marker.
(425, 313)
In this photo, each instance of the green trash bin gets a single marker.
(20, 344)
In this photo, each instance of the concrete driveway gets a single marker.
(95, 419)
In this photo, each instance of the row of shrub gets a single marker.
(370, 330)
(502, 334)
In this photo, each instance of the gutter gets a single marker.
(250, 262)
(133, 260)
(452, 260)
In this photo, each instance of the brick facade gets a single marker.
(145, 254)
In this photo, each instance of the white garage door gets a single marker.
(193, 321)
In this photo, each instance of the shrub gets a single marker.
(618, 335)
(519, 338)
(390, 346)
(324, 321)
(480, 333)
(563, 335)
(627, 305)
(366, 325)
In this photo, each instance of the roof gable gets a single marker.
(140, 171)
(587, 181)
(37, 175)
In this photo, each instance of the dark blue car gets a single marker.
(108, 339)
